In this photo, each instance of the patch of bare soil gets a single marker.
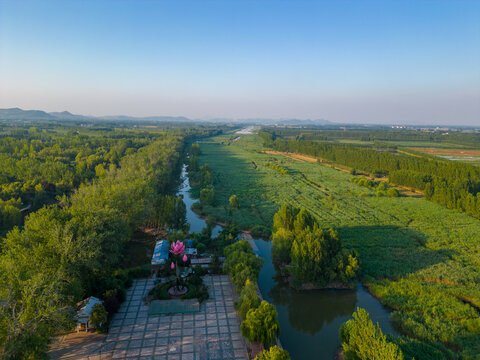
(153, 231)
(448, 152)
(76, 345)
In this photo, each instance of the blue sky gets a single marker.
(387, 61)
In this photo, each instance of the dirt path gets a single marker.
(77, 346)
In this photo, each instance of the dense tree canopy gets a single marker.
(70, 251)
(315, 255)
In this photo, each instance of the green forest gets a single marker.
(86, 193)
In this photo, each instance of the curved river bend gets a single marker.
(309, 321)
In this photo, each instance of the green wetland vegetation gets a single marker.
(419, 258)
(75, 197)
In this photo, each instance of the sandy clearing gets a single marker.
(448, 152)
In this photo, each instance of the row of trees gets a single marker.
(449, 183)
(259, 318)
(378, 135)
(310, 253)
(67, 252)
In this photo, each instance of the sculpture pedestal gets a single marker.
(175, 292)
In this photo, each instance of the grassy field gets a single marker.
(419, 258)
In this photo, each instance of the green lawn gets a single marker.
(421, 259)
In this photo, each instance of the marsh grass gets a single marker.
(419, 258)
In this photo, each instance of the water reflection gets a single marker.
(310, 321)
(300, 306)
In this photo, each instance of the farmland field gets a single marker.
(470, 156)
(419, 258)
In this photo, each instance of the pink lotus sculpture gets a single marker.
(177, 248)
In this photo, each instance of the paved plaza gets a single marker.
(211, 334)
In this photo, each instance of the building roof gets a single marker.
(160, 253)
(191, 251)
(86, 307)
(201, 261)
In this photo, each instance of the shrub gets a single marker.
(234, 201)
(392, 192)
(99, 316)
(274, 353)
(207, 196)
(381, 186)
(201, 247)
(111, 304)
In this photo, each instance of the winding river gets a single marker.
(195, 221)
(309, 321)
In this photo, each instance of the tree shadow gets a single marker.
(390, 251)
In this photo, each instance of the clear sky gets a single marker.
(385, 61)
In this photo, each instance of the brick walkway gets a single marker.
(211, 334)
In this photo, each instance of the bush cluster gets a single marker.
(276, 167)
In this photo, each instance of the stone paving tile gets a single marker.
(211, 334)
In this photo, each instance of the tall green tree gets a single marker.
(261, 324)
(234, 202)
(248, 299)
(362, 340)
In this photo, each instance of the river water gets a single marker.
(309, 321)
(195, 221)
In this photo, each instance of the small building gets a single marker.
(84, 312)
(191, 252)
(160, 253)
(202, 262)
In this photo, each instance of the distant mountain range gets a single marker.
(17, 114)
